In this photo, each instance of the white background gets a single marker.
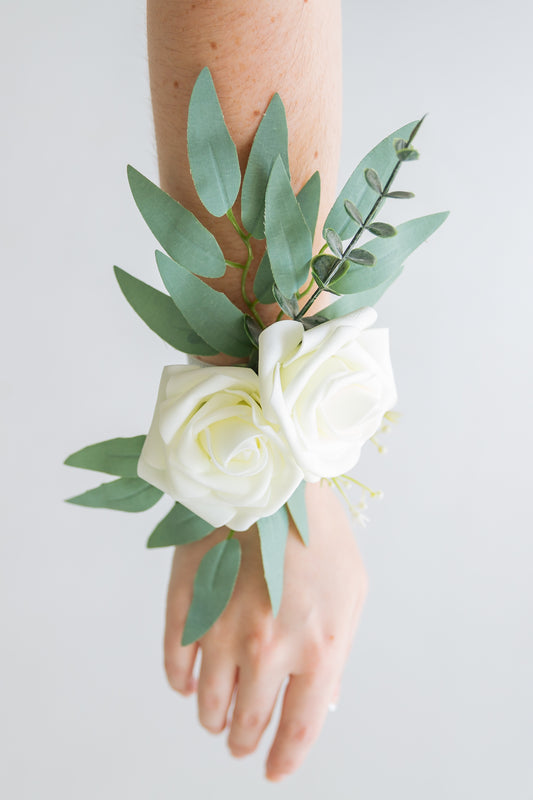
(437, 698)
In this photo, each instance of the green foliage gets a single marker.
(400, 195)
(334, 241)
(352, 302)
(270, 141)
(321, 268)
(161, 315)
(309, 201)
(176, 228)
(273, 532)
(212, 154)
(382, 159)
(124, 494)
(264, 281)
(298, 511)
(289, 305)
(180, 526)
(114, 456)
(213, 587)
(390, 254)
(353, 212)
(288, 237)
(363, 257)
(372, 178)
(212, 315)
(382, 229)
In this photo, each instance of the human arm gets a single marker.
(293, 49)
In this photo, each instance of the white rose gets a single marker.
(210, 447)
(327, 388)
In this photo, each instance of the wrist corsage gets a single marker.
(234, 445)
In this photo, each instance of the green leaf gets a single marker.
(390, 254)
(382, 229)
(353, 212)
(161, 315)
(363, 257)
(114, 456)
(400, 195)
(180, 526)
(213, 587)
(124, 494)
(298, 511)
(289, 305)
(334, 241)
(178, 231)
(289, 239)
(382, 159)
(309, 201)
(273, 533)
(352, 302)
(264, 281)
(408, 154)
(212, 154)
(321, 267)
(270, 141)
(372, 178)
(252, 329)
(212, 315)
(401, 144)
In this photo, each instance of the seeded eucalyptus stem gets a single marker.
(341, 261)
(245, 237)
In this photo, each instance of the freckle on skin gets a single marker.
(316, 153)
(176, 84)
(213, 45)
(257, 113)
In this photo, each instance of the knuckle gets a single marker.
(210, 701)
(248, 720)
(257, 644)
(297, 731)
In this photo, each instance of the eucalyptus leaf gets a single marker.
(114, 456)
(372, 178)
(252, 330)
(334, 241)
(271, 140)
(212, 315)
(178, 231)
(400, 195)
(409, 154)
(124, 494)
(390, 254)
(289, 240)
(363, 257)
(264, 281)
(213, 587)
(401, 144)
(353, 212)
(322, 266)
(298, 511)
(212, 153)
(273, 533)
(161, 315)
(382, 159)
(382, 229)
(180, 526)
(352, 302)
(289, 305)
(309, 201)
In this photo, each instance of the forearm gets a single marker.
(253, 50)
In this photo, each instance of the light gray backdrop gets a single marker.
(437, 697)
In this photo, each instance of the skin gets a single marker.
(292, 48)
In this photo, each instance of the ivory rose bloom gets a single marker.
(327, 388)
(210, 447)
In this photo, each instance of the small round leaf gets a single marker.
(364, 257)
(334, 241)
(372, 178)
(407, 154)
(400, 195)
(353, 211)
(382, 229)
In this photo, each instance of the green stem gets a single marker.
(245, 237)
(375, 208)
(309, 285)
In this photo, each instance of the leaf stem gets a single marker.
(245, 237)
(355, 238)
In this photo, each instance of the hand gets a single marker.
(251, 653)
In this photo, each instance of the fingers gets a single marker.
(218, 675)
(254, 704)
(305, 707)
(179, 661)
